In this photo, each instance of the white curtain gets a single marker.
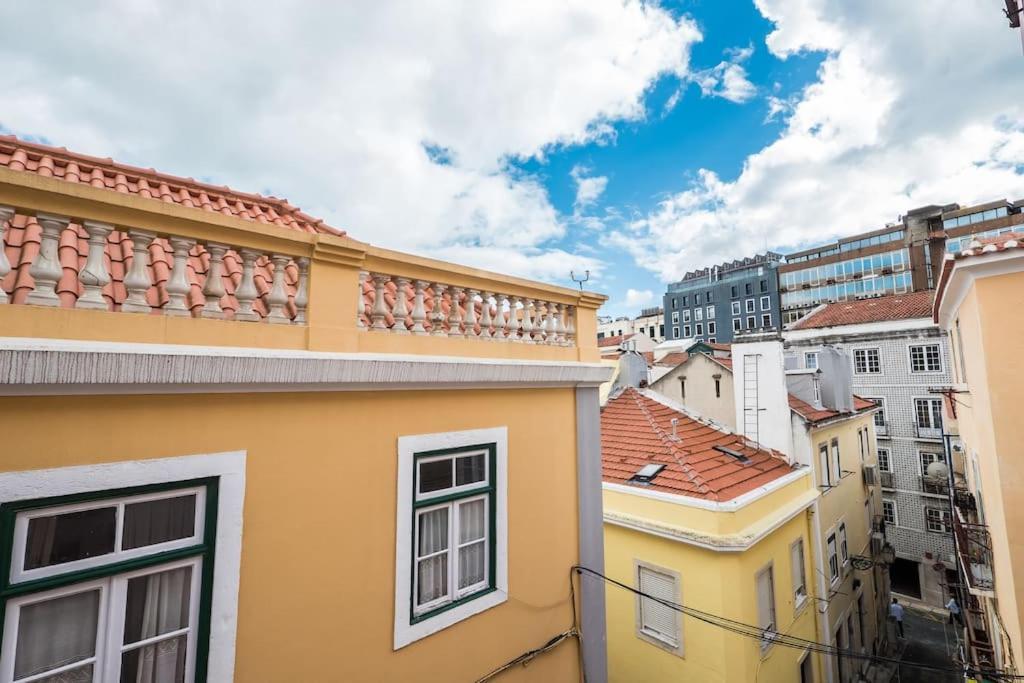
(432, 579)
(472, 522)
(56, 632)
(166, 600)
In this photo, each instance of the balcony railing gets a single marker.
(929, 432)
(964, 501)
(934, 485)
(974, 545)
(881, 428)
(888, 480)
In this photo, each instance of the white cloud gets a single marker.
(588, 188)
(392, 120)
(728, 79)
(636, 298)
(914, 104)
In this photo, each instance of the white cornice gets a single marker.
(714, 506)
(967, 270)
(54, 366)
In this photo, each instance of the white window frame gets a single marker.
(751, 322)
(836, 460)
(867, 365)
(926, 371)
(751, 306)
(766, 303)
(798, 570)
(698, 314)
(669, 642)
(807, 356)
(769, 630)
(917, 425)
(844, 544)
(824, 464)
(737, 308)
(710, 313)
(945, 520)
(686, 315)
(229, 467)
(895, 512)
(405, 630)
(832, 553)
(675, 317)
(763, 317)
(711, 328)
(737, 324)
(675, 332)
(698, 330)
(882, 455)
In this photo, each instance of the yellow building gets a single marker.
(241, 445)
(978, 303)
(696, 516)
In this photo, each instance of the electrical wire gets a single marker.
(751, 631)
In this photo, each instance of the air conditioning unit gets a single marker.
(870, 475)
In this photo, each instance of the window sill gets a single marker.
(449, 615)
(661, 643)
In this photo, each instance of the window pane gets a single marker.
(471, 564)
(158, 521)
(68, 537)
(435, 475)
(157, 604)
(80, 675)
(55, 633)
(471, 521)
(433, 532)
(470, 469)
(162, 662)
(432, 579)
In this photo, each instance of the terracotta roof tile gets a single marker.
(975, 249)
(812, 414)
(671, 360)
(892, 307)
(636, 430)
(613, 341)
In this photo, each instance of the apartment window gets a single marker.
(799, 570)
(684, 301)
(764, 285)
(698, 314)
(650, 331)
(700, 329)
(751, 322)
(836, 462)
(749, 288)
(766, 303)
(674, 304)
(844, 551)
(697, 299)
(735, 292)
(862, 443)
(928, 413)
(94, 614)
(811, 360)
(711, 340)
(766, 606)
(826, 479)
(751, 305)
(927, 459)
(682, 388)
(737, 324)
(661, 329)
(675, 317)
(833, 558)
(766, 320)
(708, 296)
(736, 308)
(675, 333)
(816, 383)
(883, 460)
(686, 331)
(938, 521)
(711, 312)
(718, 388)
(657, 622)
(879, 416)
(686, 316)
(925, 358)
(960, 352)
(453, 523)
(711, 327)
(889, 512)
(866, 362)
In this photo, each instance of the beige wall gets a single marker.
(700, 373)
(318, 553)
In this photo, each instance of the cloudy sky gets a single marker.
(634, 139)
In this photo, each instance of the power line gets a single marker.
(761, 634)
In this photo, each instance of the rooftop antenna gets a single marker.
(580, 281)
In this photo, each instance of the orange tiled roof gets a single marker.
(636, 430)
(671, 360)
(892, 307)
(613, 341)
(812, 414)
(977, 248)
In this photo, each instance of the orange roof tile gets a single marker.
(671, 360)
(636, 430)
(892, 307)
(613, 341)
(975, 249)
(812, 414)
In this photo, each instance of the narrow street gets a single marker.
(930, 640)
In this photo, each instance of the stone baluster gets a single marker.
(247, 292)
(138, 280)
(178, 285)
(6, 214)
(500, 321)
(46, 270)
(513, 318)
(485, 317)
(419, 311)
(302, 291)
(277, 299)
(527, 323)
(379, 312)
(570, 326)
(361, 301)
(401, 308)
(94, 276)
(542, 333)
(455, 313)
(471, 312)
(560, 325)
(437, 313)
(213, 288)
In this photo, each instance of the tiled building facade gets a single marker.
(898, 363)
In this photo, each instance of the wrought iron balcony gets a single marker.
(974, 545)
(934, 485)
(964, 501)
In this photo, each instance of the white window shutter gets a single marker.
(655, 618)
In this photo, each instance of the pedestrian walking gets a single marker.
(954, 612)
(896, 613)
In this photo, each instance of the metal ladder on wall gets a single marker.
(751, 406)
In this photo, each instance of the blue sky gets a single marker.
(696, 131)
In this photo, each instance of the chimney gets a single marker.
(633, 371)
(836, 379)
(759, 384)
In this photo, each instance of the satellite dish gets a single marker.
(937, 470)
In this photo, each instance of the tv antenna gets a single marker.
(1014, 10)
(580, 281)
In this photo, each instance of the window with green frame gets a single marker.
(108, 586)
(453, 549)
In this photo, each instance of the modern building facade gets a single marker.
(242, 445)
(900, 361)
(713, 304)
(979, 298)
(902, 257)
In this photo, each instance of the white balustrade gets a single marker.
(94, 276)
(437, 312)
(400, 311)
(419, 311)
(46, 270)
(177, 285)
(213, 289)
(278, 297)
(302, 291)
(137, 281)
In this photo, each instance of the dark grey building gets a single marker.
(713, 303)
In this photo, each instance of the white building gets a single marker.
(650, 323)
(899, 357)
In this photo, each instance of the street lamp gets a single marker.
(886, 557)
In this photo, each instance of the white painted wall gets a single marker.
(774, 430)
